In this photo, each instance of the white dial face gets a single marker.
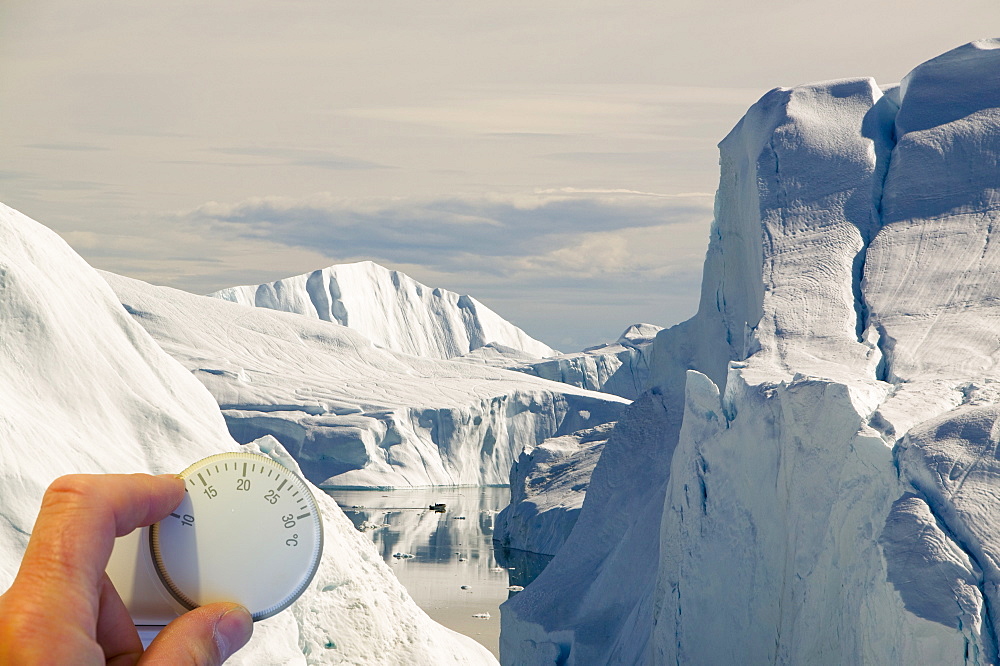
(247, 531)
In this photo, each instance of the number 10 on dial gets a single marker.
(248, 531)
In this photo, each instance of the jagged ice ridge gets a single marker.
(355, 415)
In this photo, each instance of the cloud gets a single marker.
(638, 253)
(566, 231)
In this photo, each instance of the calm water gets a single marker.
(450, 550)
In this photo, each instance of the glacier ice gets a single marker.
(548, 483)
(353, 414)
(391, 309)
(819, 443)
(86, 389)
(620, 368)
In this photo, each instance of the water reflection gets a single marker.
(522, 567)
(450, 550)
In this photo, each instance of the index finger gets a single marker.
(74, 533)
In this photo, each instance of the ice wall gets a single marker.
(825, 446)
(547, 486)
(85, 389)
(391, 309)
(351, 413)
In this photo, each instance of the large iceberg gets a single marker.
(818, 478)
(85, 389)
(391, 309)
(351, 413)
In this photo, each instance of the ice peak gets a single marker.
(639, 334)
(391, 309)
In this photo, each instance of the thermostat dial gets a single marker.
(247, 531)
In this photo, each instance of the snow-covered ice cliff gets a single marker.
(818, 479)
(85, 389)
(391, 309)
(547, 486)
(351, 413)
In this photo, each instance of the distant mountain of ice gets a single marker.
(83, 388)
(351, 413)
(812, 477)
(391, 309)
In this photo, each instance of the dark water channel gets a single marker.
(449, 550)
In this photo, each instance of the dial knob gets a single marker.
(248, 531)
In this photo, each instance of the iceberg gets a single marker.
(620, 368)
(548, 483)
(391, 309)
(86, 389)
(818, 444)
(352, 414)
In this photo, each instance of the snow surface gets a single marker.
(548, 484)
(352, 414)
(85, 389)
(391, 309)
(816, 460)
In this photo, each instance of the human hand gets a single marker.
(62, 607)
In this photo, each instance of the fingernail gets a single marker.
(233, 630)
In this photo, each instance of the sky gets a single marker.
(556, 160)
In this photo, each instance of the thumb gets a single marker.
(206, 636)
